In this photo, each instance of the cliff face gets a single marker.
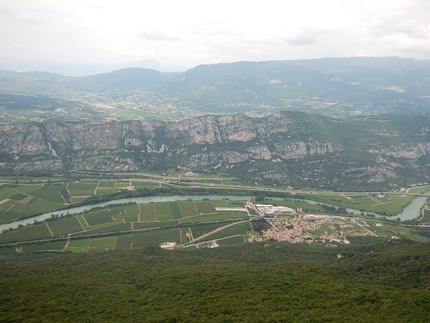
(287, 148)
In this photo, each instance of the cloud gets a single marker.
(30, 17)
(306, 36)
(218, 44)
(412, 20)
(158, 36)
(412, 28)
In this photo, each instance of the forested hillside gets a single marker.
(377, 282)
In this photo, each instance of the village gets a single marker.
(292, 226)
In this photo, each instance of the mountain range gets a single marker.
(286, 148)
(332, 86)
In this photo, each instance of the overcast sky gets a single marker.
(187, 33)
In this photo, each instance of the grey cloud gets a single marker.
(306, 36)
(155, 35)
(411, 28)
(412, 20)
(30, 18)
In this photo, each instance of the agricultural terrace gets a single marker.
(19, 201)
(110, 219)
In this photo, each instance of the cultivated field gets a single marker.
(65, 226)
(147, 212)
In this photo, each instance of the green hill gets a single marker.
(252, 283)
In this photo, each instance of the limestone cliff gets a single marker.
(286, 148)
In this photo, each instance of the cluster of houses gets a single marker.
(299, 230)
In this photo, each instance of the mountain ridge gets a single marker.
(332, 86)
(285, 148)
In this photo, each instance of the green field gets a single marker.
(227, 203)
(145, 185)
(49, 193)
(240, 228)
(163, 211)
(188, 209)
(147, 239)
(214, 217)
(120, 184)
(419, 190)
(199, 230)
(233, 241)
(426, 217)
(92, 245)
(10, 210)
(147, 212)
(176, 210)
(106, 185)
(18, 197)
(390, 205)
(128, 213)
(205, 207)
(6, 192)
(84, 188)
(65, 226)
(99, 217)
(308, 207)
(31, 232)
(54, 246)
(106, 228)
(83, 185)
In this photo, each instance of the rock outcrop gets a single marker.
(286, 147)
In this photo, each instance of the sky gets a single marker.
(186, 33)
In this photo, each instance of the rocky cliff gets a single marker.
(287, 148)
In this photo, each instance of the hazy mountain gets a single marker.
(331, 86)
(84, 69)
(349, 83)
(128, 78)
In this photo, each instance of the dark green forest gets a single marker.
(371, 281)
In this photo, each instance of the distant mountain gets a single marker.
(380, 84)
(331, 86)
(128, 78)
(80, 70)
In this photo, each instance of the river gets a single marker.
(410, 212)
